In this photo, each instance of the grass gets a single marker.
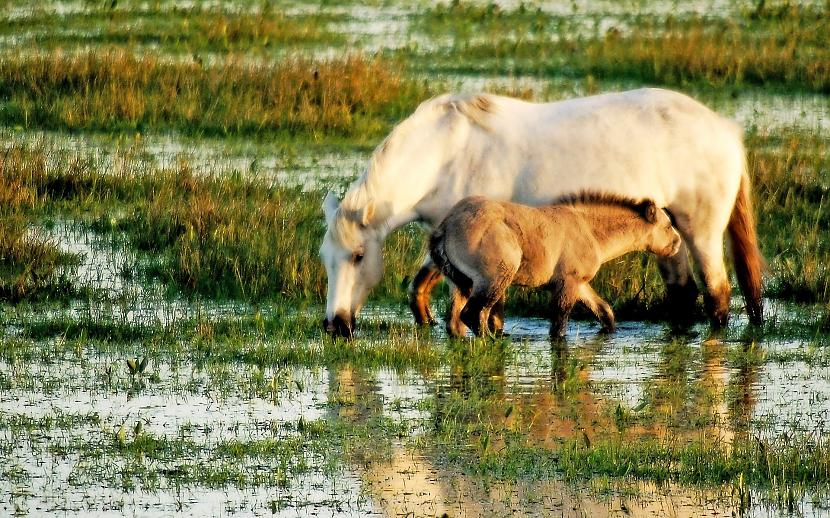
(792, 178)
(31, 267)
(182, 29)
(114, 90)
(753, 461)
(774, 46)
(221, 236)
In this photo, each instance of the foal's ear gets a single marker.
(648, 210)
(330, 206)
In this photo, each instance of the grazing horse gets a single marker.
(485, 246)
(647, 143)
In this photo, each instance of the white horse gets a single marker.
(647, 143)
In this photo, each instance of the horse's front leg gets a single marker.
(419, 292)
(681, 288)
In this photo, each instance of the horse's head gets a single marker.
(662, 238)
(351, 253)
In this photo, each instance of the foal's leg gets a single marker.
(598, 307)
(496, 320)
(419, 291)
(708, 252)
(455, 327)
(487, 292)
(565, 294)
(476, 313)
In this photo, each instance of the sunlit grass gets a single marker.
(782, 46)
(114, 90)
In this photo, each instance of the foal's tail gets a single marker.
(745, 252)
(438, 252)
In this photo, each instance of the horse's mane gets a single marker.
(599, 198)
(475, 107)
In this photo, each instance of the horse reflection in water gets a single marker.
(558, 406)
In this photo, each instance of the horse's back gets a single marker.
(642, 143)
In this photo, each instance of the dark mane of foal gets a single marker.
(600, 198)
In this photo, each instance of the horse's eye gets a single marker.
(356, 258)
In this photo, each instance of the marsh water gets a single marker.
(63, 407)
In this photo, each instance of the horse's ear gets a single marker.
(648, 209)
(330, 206)
(367, 213)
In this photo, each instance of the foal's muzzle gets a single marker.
(675, 246)
(341, 325)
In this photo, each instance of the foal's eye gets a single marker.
(356, 258)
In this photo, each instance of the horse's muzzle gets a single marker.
(341, 325)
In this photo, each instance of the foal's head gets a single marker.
(662, 238)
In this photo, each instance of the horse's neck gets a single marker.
(392, 207)
(616, 231)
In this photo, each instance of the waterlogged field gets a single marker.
(162, 166)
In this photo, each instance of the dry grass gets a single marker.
(784, 46)
(116, 90)
(724, 54)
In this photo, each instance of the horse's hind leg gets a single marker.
(419, 292)
(598, 307)
(681, 288)
(708, 253)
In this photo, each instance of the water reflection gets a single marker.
(406, 482)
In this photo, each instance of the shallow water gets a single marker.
(95, 394)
